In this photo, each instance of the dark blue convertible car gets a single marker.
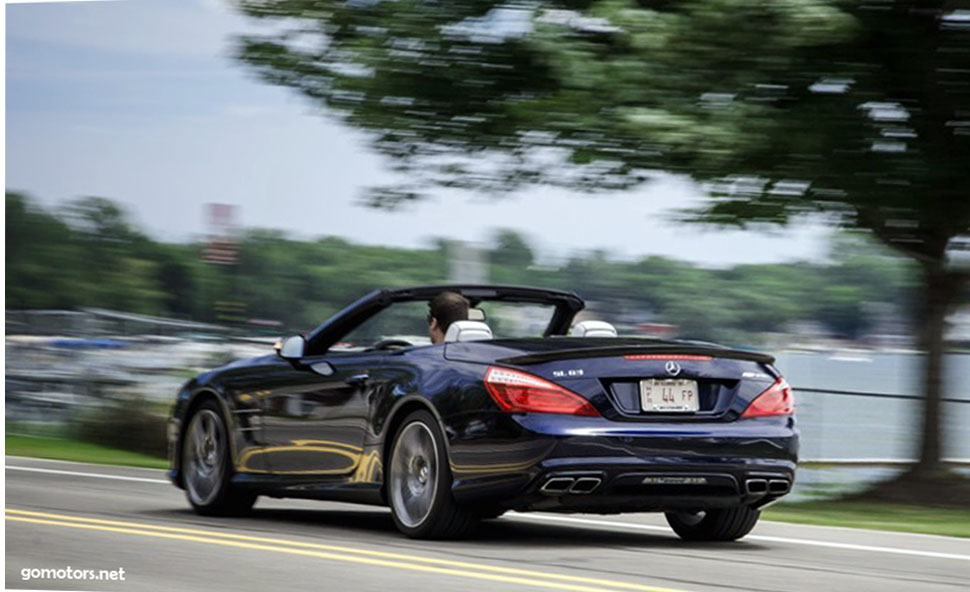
(522, 407)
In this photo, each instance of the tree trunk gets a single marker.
(940, 291)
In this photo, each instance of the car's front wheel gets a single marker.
(207, 468)
(714, 525)
(419, 483)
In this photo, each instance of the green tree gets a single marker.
(783, 107)
(42, 267)
(181, 285)
(118, 271)
(511, 249)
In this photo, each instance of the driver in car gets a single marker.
(445, 309)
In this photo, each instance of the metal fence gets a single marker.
(850, 439)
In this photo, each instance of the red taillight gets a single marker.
(777, 400)
(518, 391)
(688, 357)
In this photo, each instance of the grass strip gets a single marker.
(874, 515)
(73, 450)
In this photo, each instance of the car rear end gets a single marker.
(625, 428)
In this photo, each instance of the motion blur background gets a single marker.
(187, 181)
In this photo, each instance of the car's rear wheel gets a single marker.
(714, 525)
(419, 483)
(207, 468)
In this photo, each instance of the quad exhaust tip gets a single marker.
(557, 485)
(759, 486)
(585, 485)
(778, 486)
(563, 485)
(766, 486)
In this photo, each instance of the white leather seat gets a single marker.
(468, 331)
(593, 329)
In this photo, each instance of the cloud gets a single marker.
(161, 28)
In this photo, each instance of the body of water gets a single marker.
(849, 427)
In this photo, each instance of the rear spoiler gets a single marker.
(624, 350)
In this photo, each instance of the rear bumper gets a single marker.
(650, 489)
(574, 464)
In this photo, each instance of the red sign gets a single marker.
(222, 247)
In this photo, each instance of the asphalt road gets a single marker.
(98, 517)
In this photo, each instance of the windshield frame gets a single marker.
(566, 305)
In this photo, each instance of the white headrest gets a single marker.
(593, 329)
(468, 331)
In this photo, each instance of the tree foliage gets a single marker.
(786, 107)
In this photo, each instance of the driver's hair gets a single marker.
(448, 307)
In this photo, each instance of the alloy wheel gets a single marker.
(414, 474)
(204, 453)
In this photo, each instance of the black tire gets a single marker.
(207, 466)
(424, 509)
(714, 525)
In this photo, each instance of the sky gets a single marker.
(140, 101)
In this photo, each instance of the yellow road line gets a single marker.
(339, 553)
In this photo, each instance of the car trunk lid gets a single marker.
(615, 373)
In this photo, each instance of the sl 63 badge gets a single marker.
(567, 373)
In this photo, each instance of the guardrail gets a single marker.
(869, 394)
(821, 463)
(874, 462)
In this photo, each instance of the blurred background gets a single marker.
(188, 181)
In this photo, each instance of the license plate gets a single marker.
(669, 395)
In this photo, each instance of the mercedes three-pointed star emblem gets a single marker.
(673, 368)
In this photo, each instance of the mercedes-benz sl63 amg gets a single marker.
(521, 407)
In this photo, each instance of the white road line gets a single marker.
(83, 474)
(861, 530)
(752, 537)
(10, 457)
(592, 522)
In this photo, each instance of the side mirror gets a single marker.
(292, 348)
